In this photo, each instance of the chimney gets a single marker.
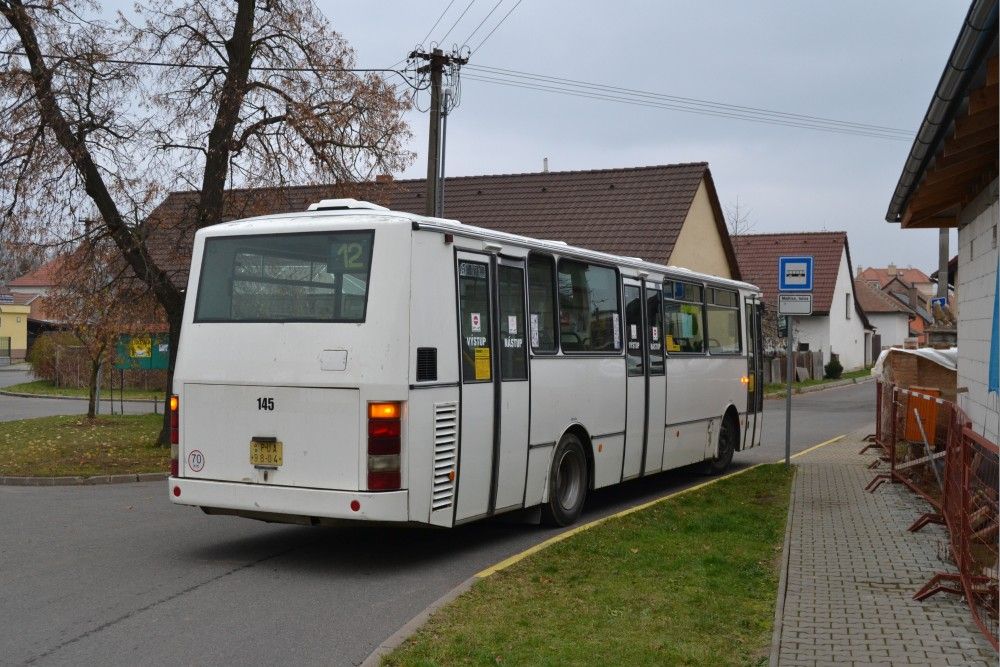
(383, 178)
(860, 269)
(891, 271)
(545, 165)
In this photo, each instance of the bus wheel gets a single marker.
(728, 434)
(567, 483)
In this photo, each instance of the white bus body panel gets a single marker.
(657, 412)
(513, 460)
(636, 406)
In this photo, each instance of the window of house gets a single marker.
(541, 303)
(589, 319)
(683, 319)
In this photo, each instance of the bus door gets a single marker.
(635, 381)
(493, 451)
(755, 360)
(657, 385)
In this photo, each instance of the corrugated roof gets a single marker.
(758, 256)
(636, 211)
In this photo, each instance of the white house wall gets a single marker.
(836, 333)
(977, 262)
(894, 328)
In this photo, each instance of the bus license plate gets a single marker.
(265, 453)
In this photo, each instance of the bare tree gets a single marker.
(738, 219)
(101, 118)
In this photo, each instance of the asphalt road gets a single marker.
(116, 575)
(20, 407)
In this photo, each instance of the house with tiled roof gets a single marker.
(668, 214)
(891, 319)
(39, 281)
(906, 275)
(838, 324)
(950, 180)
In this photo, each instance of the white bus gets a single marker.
(352, 362)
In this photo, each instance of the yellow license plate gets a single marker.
(265, 453)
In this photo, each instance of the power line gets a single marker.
(608, 97)
(486, 18)
(438, 21)
(480, 45)
(460, 17)
(574, 84)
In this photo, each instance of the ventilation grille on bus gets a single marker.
(445, 454)
(427, 364)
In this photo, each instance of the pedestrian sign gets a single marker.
(795, 274)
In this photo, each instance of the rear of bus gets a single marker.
(291, 373)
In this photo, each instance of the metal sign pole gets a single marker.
(789, 370)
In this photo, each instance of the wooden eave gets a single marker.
(965, 163)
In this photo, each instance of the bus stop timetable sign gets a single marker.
(795, 274)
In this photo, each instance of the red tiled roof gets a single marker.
(636, 211)
(20, 299)
(907, 275)
(43, 276)
(758, 255)
(874, 300)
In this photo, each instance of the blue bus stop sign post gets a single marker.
(795, 274)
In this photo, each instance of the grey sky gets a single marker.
(870, 62)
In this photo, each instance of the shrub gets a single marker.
(42, 355)
(833, 370)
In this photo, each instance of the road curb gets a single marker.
(74, 398)
(414, 624)
(83, 481)
(820, 387)
(779, 607)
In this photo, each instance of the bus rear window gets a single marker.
(309, 277)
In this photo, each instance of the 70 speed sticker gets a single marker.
(196, 460)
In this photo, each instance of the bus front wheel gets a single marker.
(728, 434)
(567, 483)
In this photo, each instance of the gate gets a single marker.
(4, 351)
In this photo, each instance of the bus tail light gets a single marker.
(175, 405)
(384, 446)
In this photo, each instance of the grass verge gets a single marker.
(692, 580)
(778, 388)
(48, 388)
(75, 445)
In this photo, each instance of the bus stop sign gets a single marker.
(795, 274)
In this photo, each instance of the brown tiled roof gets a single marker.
(907, 275)
(21, 299)
(874, 300)
(636, 212)
(758, 256)
(43, 276)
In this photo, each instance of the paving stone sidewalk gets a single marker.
(852, 570)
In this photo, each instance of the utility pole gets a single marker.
(437, 60)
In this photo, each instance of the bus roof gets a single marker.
(349, 208)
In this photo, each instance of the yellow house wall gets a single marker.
(699, 246)
(16, 330)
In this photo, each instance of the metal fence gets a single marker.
(4, 350)
(930, 447)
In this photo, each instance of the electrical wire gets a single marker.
(438, 21)
(517, 75)
(465, 42)
(480, 45)
(460, 16)
(683, 109)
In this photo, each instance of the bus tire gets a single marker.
(568, 481)
(728, 433)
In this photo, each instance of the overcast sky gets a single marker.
(868, 62)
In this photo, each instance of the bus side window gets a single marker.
(633, 330)
(589, 319)
(683, 319)
(474, 309)
(541, 303)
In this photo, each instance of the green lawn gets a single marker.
(75, 445)
(48, 388)
(692, 580)
(781, 386)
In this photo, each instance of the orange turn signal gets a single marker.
(383, 410)
(174, 402)
(745, 380)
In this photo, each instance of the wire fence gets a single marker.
(931, 448)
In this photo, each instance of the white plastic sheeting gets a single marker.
(947, 357)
